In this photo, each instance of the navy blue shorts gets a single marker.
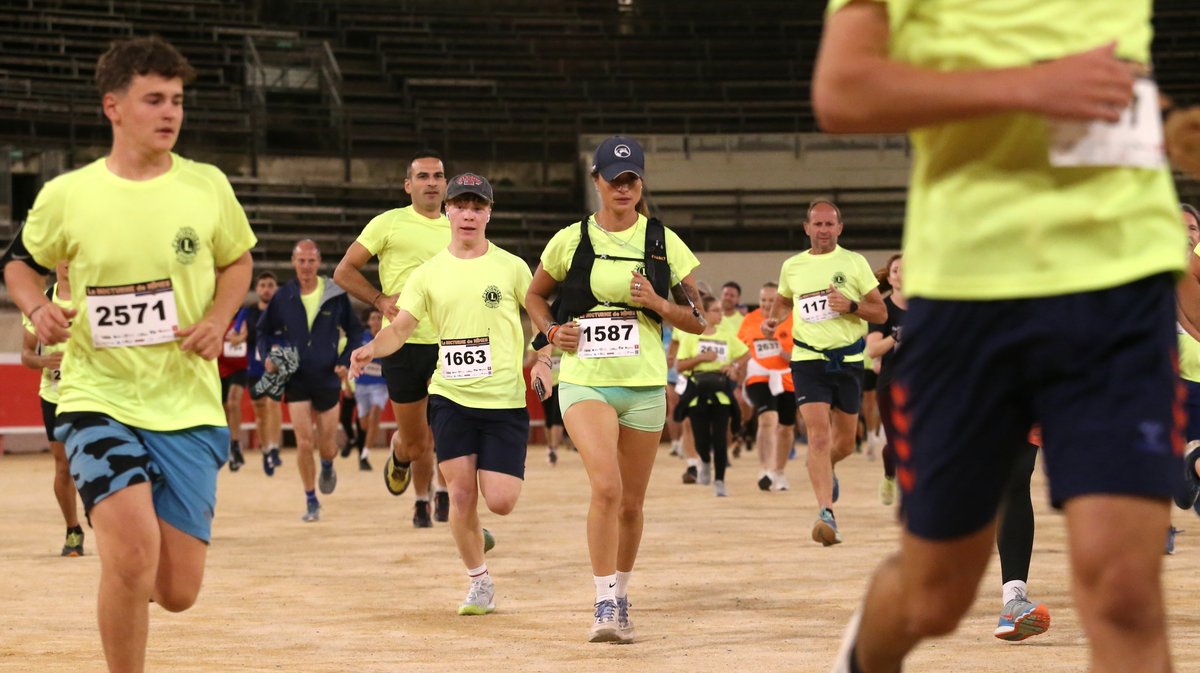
(496, 437)
(324, 393)
(841, 390)
(1095, 369)
(407, 372)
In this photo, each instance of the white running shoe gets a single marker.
(719, 488)
(704, 475)
(779, 482)
(887, 490)
(481, 597)
(604, 626)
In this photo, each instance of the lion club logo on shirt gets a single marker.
(187, 244)
(491, 296)
(622, 151)
(839, 278)
(468, 180)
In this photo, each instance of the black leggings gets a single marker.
(1014, 534)
(883, 396)
(709, 423)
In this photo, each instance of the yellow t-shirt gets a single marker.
(610, 283)
(48, 389)
(312, 304)
(734, 321)
(988, 217)
(474, 306)
(726, 344)
(404, 239)
(179, 227)
(805, 278)
(1189, 356)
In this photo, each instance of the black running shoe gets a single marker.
(421, 515)
(236, 459)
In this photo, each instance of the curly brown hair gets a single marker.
(126, 59)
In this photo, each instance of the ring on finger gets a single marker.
(637, 286)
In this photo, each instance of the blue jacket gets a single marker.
(284, 322)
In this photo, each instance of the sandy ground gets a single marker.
(721, 583)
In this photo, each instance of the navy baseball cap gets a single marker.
(469, 183)
(618, 155)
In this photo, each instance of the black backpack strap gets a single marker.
(658, 271)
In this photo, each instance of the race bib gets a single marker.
(1136, 141)
(140, 314)
(466, 358)
(719, 347)
(234, 350)
(55, 377)
(373, 368)
(767, 348)
(814, 307)
(612, 334)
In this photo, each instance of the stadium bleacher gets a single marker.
(503, 83)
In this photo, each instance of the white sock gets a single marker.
(441, 489)
(693, 462)
(365, 452)
(676, 445)
(476, 573)
(427, 498)
(622, 589)
(605, 588)
(1014, 589)
(273, 447)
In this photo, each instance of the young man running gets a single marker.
(158, 248)
(471, 293)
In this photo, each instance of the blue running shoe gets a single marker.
(312, 512)
(268, 464)
(1021, 619)
(825, 529)
(328, 480)
(275, 459)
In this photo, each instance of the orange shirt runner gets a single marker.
(768, 357)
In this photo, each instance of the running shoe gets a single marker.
(489, 541)
(236, 459)
(275, 459)
(74, 544)
(312, 513)
(552, 457)
(364, 465)
(624, 624)
(1021, 619)
(837, 488)
(887, 490)
(328, 480)
(764, 481)
(1188, 498)
(396, 478)
(347, 447)
(421, 515)
(780, 482)
(704, 474)
(604, 626)
(719, 488)
(825, 529)
(268, 464)
(441, 506)
(481, 597)
(689, 475)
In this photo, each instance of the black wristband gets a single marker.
(853, 307)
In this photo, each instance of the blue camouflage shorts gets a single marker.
(181, 466)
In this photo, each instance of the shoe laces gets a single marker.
(478, 589)
(605, 610)
(623, 609)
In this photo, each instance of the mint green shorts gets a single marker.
(638, 407)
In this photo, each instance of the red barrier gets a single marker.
(21, 413)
